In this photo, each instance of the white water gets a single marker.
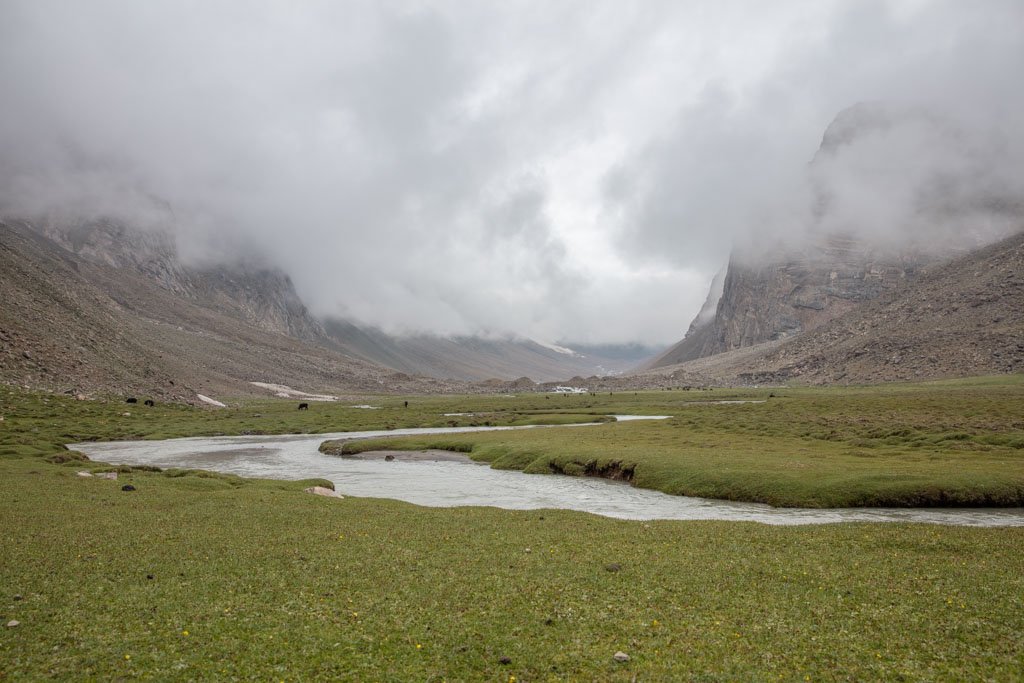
(453, 484)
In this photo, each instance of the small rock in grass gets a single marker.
(108, 475)
(127, 487)
(13, 623)
(505, 660)
(527, 550)
(126, 414)
(620, 656)
(149, 576)
(18, 597)
(613, 567)
(84, 474)
(322, 491)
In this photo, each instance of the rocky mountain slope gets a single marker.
(79, 320)
(794, 292)
(156, 326)
(959, 318)
(245, 288)
(248, 289)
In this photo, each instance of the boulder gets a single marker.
(322, 491)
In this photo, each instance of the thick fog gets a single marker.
(573, 171)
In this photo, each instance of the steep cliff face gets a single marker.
(782, 299)
(248, 290)
(264, 297)
(959, 318)
(793, 293)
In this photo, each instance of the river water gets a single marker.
(446, 483)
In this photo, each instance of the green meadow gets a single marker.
(942, 444)
(195, 575)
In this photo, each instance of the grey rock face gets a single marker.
(791, 293)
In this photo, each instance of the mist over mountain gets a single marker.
(777, 287)
(573, 172)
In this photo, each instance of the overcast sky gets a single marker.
(573, 171)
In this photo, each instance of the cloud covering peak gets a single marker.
(566, 171)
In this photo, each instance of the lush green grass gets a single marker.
(951, 444)
(256, 580)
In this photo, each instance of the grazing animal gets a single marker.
(303, 406)
(149, 402)
(131, 399)
(406, 404)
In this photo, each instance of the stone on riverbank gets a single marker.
(322, 491)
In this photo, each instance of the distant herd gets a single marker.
(151, 403)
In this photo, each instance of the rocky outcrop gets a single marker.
(794, 292)
(245, 288)
(960, 318)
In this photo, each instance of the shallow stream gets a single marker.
(453, 483)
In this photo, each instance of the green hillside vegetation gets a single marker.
(196, 576)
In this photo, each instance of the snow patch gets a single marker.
(556, 348)
(211, 401)
(284, 391)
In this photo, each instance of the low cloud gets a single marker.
(576, 171)
(925, 142)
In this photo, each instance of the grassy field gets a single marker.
(204, 576)
(943, 444)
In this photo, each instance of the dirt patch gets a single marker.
(413, 456)
(615, 470)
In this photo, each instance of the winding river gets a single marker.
(459, 482)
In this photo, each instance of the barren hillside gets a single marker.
(72, 323)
